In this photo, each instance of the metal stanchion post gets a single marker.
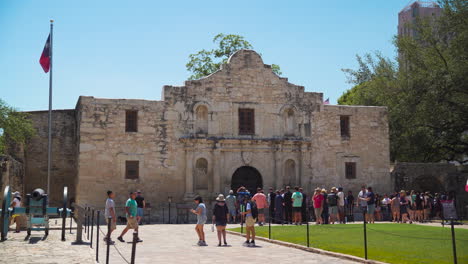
(135, 238)
(71, 221)
(307, 223)
(454, 246)
(109, 221)
(365, 236)
(85, 219)
(92, 229)
(269, 228)
(87, 216)
(97, 235)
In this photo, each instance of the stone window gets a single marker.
(201, 174)
(246, 121)
(290, 172)
(132, 169)
(131, 121)
(350, 170)
(201, 122)
(344, 127)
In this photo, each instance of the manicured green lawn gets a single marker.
(392, 243)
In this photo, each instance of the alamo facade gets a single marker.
(241, 125)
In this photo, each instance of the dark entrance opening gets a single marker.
(246, 176)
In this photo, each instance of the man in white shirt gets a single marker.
(362, 200)
(341, 204)
(109, 214)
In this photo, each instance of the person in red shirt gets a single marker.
(317, 200)
(260, 199)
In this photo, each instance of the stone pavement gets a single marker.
(51, 250)
(177, 244)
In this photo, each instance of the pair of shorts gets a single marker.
(261, 210)
(233, 212)
(341, 209)
(140, 211)
(318, 211)
(297, 209)
(113, 223)
(363, 209)
(132, 223)
(201, 220)
(333, 210)
(249, 221)
(371, 209)
(221, 223)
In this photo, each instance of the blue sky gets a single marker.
(130, 49)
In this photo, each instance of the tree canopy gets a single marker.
(425, 88)
(205, 62)
(15, 127)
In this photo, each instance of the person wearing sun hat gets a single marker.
(15, 204)
(220, 217)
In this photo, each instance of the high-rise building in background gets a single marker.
(409, 14)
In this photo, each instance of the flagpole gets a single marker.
(49, 147)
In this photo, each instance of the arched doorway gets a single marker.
(246, 176)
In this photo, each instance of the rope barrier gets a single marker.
(414, 237)
(118, 251)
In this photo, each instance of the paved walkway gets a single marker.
(177, 244)
(49, 250)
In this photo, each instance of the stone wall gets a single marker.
(11, 174)
(64, 155)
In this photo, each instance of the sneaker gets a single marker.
(199, 243)
(252, 243)
(219, 244)
(247, 244)
(204, 244)
(139, 240)
(120, 239)
(225, 243)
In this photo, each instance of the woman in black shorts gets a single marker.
(404, 207)
(220, 216)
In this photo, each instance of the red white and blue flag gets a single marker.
(326, 102)
(45, 57)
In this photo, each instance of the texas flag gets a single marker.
(45, 57)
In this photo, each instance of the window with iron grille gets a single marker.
(246, 121)
(344, 126)
(132, 169)
(131, 121)
(350, 170)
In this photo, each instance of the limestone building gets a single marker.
(242, 125)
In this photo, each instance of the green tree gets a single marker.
(205, 62)
(425, 89)
(15, 127)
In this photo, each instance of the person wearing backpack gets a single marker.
(332, 200)
(250, 214)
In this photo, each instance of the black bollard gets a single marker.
(365, 235)
(64, 218)
(269, 228)
(135, 239)
(71, 221)
(97, 235)
(109, 221)
(454, 246)
(87, 216)
(85, 219)
(307, 223)
(92, 229)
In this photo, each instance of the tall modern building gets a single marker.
(417, 9)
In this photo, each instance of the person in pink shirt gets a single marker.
(317, 200)
(260, 199)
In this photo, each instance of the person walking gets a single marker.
(109, 214)
(332, 200)
(370, 205)
(249, 222)
(341, 205)
(200, 211)
(304, 207)
(220, 217)
(362, 201)
(317, 201)
(271, 203)
(296, 199)
(231, 203)
(404, 204)
(15, 204)
(279, 205)
(141, 206)
(131, 213)
(260, 199)
(288, 205)
(395, 207)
